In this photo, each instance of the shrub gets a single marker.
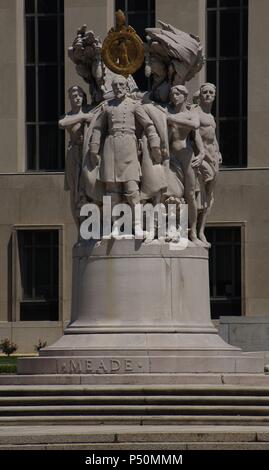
(8, 368)
(7, 347)
(41, 344)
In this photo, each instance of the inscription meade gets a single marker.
(101, 366)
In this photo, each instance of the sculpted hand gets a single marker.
(170, 118)
(196, 162)
(88, 117)
(78, 46)
(156, 154)
(164, 153)
(97, 46)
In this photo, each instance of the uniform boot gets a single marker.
(115, 199)
(134, 199)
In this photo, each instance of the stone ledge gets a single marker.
(136, 379)
(117, 365)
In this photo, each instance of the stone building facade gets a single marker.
(37, 231)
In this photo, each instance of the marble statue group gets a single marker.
(140, 302)
(138, 147)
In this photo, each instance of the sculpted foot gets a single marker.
(193, 237)
(204, 240)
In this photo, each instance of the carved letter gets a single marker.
(115, 365)
(102, 367)
(63, 367)
(72, 366)
(128, 365)
(75, 367)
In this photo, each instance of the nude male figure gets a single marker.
(181, 123)
(210, 165)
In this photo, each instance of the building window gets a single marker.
(225, 270)
(139, 15)
(39, 274)
(44, 35)
(227, 67)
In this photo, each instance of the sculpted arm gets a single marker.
(150, 131)
(197, 160)
(97, 132)
(191, 122)
(216, 144)
(95, 142)
(199, 142)
(70, 120)
(146, 122)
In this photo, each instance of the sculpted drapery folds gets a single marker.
(173, 57)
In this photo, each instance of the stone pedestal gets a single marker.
(140, 309)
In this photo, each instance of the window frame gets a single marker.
(16, 275)
(241, 59)
(60, 85)
(147, 10)
(243, 230)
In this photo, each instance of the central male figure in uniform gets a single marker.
(119, 163)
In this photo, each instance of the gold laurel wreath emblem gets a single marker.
(123, 51)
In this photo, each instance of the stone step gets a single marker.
(133, 400)
(136, 410)
(136, 379)
(141, 446)
(136, 404)
(171, 420)
(148, 446)
(133, 390)
(132, 435)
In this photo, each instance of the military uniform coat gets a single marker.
(119, 152)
